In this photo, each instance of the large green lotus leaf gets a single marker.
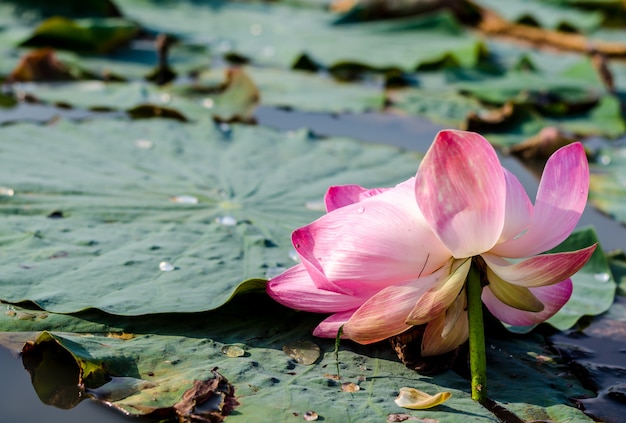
(572, 100)
(99, 205)
(545, 15)
(279, 34)
(608, 182)
(278, 88)
(149, 361)
(116, 96)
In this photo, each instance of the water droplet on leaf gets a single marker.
(293, 254)
(208, 103)
(233, 351)
(226, 220)
(184, 199)
(602, 277)
(144, 144)
(256, 29)
(304, 352)
(166, 266)
(272, 272)
(315, 205)
(6, 191)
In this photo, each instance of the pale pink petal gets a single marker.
(361, 248)
(518, 208)
(561, 199)
(342, 195)
(294, 288)
(553, 298)
(438, 298)
(383, 315)
(460, 187)
(329, 327)
(434, 343)
(545, 269)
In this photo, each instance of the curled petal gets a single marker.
(460, 187)
(329, 327)
(383, 315)
(560, 201)
(417, 400)
(438, 298)
(553, 297)
(361, 248)
(514, 296)
(294, 288)
(342, 195)
(541, 270)
(435, 343)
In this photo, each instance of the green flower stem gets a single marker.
(478, 361)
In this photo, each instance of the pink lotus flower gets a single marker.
(386, 259)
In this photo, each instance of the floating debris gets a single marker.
(311, 416)
(350, 387)
(184, 199)
(233, 351)
(166, 266)
(304, 352)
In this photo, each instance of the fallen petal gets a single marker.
(417, 400)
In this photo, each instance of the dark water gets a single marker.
(18, 400)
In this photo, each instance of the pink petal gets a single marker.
(342, 195)
(434, 343)
(545, 269)
(518, 208)
(294, 288)
(383, 315)
(438, 298)
(553, 298)
(329, 327)
(361, 248)
(561, 199)
(461, 189)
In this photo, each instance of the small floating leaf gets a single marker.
(417, 400)
(304, 352)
